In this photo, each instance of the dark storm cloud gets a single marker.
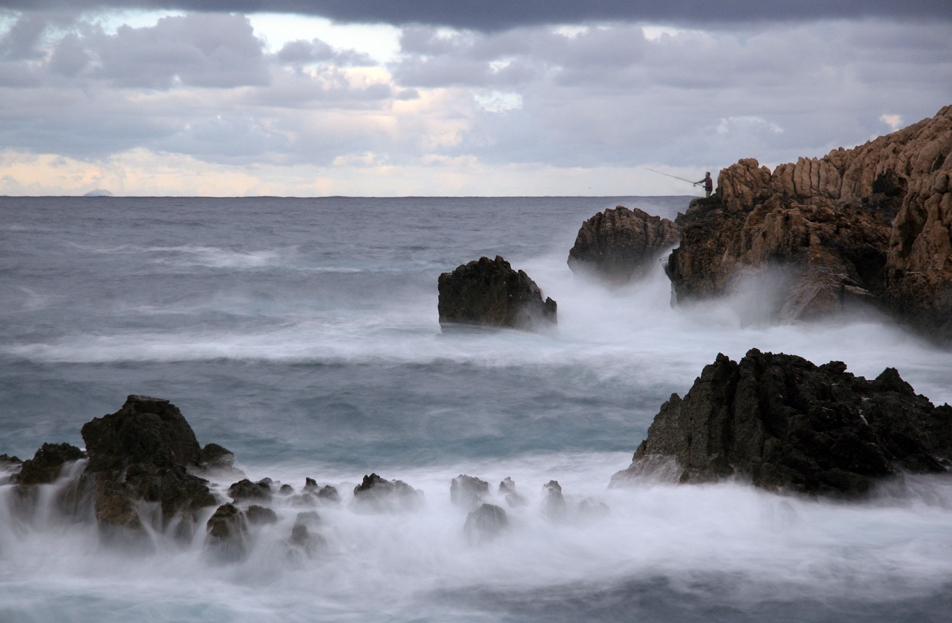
(503, 14)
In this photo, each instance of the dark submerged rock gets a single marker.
(553, 503)
(227, 534)
(308, 518)
(507, 488)
(490, 293)
(328, 493)
(486, 522)
(303, 543)
(621, 245)
(467, 492)
(259, 515)
(377, 494)
(47, 464)
(246, 490)
(140, 454)
(786, 423)
(215, 456)
(593, 508)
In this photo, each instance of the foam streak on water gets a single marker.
(303, 335)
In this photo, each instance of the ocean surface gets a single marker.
(303, 335)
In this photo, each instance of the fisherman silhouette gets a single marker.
(708, 183)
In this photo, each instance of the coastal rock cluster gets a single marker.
(868, 224)
(141, 476)
(620, 245)
(490, 293)
(786, 424)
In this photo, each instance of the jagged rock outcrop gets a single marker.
(786, 423)
(866, 224)
(490, 293)
(140, 454)
(375, 494)
(621, 245)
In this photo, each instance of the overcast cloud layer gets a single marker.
(505, 14)
(564, 102)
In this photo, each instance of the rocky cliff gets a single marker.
(869, 224)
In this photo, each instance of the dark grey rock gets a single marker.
(486, 522)
(553, 504)
(490, 293)
(259, 515)
(378, 495)
(787, 424)
(467, 492)
(215, 456)
(227, 534)
(328, 493)
(247, 490)
(507, 488)
(47, 464)
(140, 454)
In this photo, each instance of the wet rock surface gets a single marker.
(47, 463)
(787, 424)
(864, 225)
(227, 534)
(140, 454)
(246, 490)
(376, 494)
(621, 245)
(259, 515)
(490, 293)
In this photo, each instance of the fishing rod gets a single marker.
(674, 176)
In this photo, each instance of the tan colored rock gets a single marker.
(871, 223)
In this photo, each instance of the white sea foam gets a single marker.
(379, 566)
(613, 333)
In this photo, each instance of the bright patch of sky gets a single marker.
(379, 41)
(499, 102)
(893, 121)
(111, 21)
(653, 33)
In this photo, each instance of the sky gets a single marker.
(448, 98)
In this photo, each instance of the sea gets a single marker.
(303, 335)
